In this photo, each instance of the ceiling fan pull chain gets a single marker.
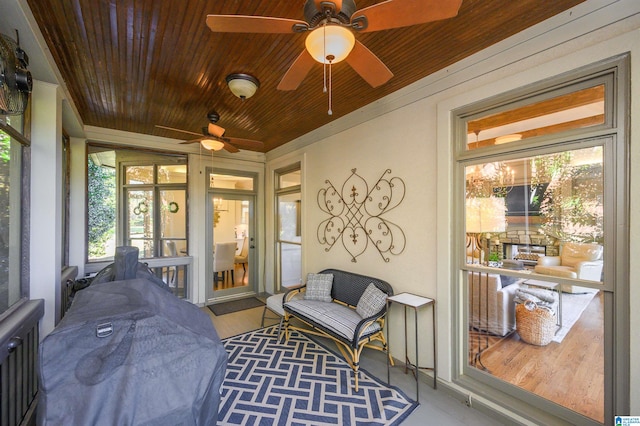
(330, 112)
(324, 78)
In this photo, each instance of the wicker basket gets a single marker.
(534, 324)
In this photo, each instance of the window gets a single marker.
(151, 189)
(13, 229)
(66, 175)
(288, 236)
(541, 172)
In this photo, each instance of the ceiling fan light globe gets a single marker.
(212, 144)
(330, 41)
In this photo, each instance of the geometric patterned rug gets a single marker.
(301, 382)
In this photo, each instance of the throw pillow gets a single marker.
(506, 280)
(371, 302)
(319, 287)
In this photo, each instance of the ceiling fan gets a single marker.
(331, 25)
(212, 137)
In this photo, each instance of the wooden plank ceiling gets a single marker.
(132, 64)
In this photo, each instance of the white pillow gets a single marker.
(319, 287)
(371, 302)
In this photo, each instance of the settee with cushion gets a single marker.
(491, 304)
(577, 260)
(346, 307)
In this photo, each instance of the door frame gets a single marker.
(212, 296)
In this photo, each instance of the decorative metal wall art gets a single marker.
(356, 215)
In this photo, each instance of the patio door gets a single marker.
(232, 272)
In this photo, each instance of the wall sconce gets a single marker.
(243, 86)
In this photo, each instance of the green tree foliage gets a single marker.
(572, 206)
(102, 208)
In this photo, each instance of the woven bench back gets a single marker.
(348, 287)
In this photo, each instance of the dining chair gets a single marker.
(223, 260)
(172, 271)
(244, 255)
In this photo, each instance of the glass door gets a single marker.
(232, 270)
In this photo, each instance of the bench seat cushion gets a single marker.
(332, 316)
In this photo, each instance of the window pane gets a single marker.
(289, 179)
(173, 218)
(230, 182)
(140, 209)
(152, 215)
(138, 175)
(289, 217)
(101, 211)
(579, 109)
(172, 174)
(10, 221)
(544, 215)
(523, 208)
(290, 264)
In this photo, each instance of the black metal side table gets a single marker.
(413, 301)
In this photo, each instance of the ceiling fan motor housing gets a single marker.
(315, 16)
(213, 116)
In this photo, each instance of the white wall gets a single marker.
(410, 133)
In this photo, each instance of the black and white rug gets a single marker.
(301, 383)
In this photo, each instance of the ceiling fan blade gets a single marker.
(228, 147)
(368, 65)
(178, 130)
(297, 71)
(403, 13)
(192, 140)
(215, 130)
(248, 143)
(252, 24)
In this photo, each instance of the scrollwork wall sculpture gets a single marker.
(356, 215)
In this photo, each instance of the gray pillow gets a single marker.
(319, 287)
(506, 280)
(371, 302)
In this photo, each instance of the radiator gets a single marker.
(19, 339)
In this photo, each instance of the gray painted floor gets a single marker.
(436, 407)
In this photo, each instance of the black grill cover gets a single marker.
(130, 353)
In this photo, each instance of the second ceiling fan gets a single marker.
(331, 26)
(213, 136)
